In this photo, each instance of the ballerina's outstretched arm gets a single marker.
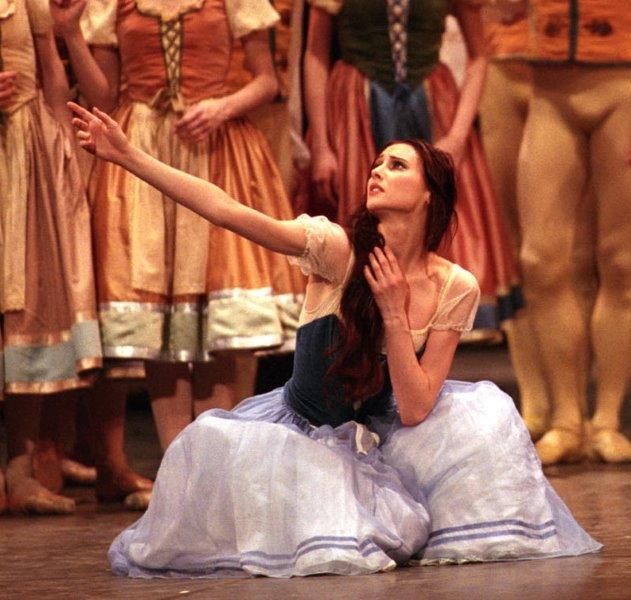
(99, 134)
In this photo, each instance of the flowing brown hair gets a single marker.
(357, 351)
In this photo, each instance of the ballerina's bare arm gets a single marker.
(415, 382)
(100, 134)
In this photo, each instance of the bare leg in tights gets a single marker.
(24, 493)
(55, 430)
(224, 382)
(170, 390)
(503, 113)
(51, 466)
(179, 392)
(579, 122)
(611, 320)
(546, 260)
(115, 480)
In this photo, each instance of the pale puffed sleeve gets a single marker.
(333, 7)
(246, 16)
(459, 304)
(39, 16)
(327, 250)
(98, 22)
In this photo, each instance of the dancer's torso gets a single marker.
(184, 59)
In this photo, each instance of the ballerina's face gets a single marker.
(396, 181)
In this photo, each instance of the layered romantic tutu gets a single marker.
(260, 491)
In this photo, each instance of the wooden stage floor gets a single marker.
(64, 557)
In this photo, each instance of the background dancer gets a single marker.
(50, 337)
(162, 67)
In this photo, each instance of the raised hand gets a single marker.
(7, 88)
(389, 286)
(201, 118)
(66, 15)
(99, 134)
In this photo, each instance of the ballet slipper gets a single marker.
(116, 484)
(609, 445)
(27, 496)
(77, 472)
(3, 493)
(560, 445)
(46, 466)
(138, 500)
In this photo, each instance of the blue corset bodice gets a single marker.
(317, 397)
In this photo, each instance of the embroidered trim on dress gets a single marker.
(167, 10)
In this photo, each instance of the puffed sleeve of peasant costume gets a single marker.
(246, 16)
(333, 7)
(39, 16)
(98, 22)
(460, 302)
(327, 250)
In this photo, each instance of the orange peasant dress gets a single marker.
(170, 285)
(49, 335)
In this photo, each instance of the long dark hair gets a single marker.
(357, 351)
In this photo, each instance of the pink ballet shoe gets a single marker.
(138, 500)
(560, 445)
(114, 485)
(609, 445)
(77, 472)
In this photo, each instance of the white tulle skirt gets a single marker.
(260, 491)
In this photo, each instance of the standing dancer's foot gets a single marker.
(560, 446)
(115, 484)
(76, 472)
(138, 500)
(26, 495)
(609, 445)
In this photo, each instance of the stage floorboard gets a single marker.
(65, 557)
